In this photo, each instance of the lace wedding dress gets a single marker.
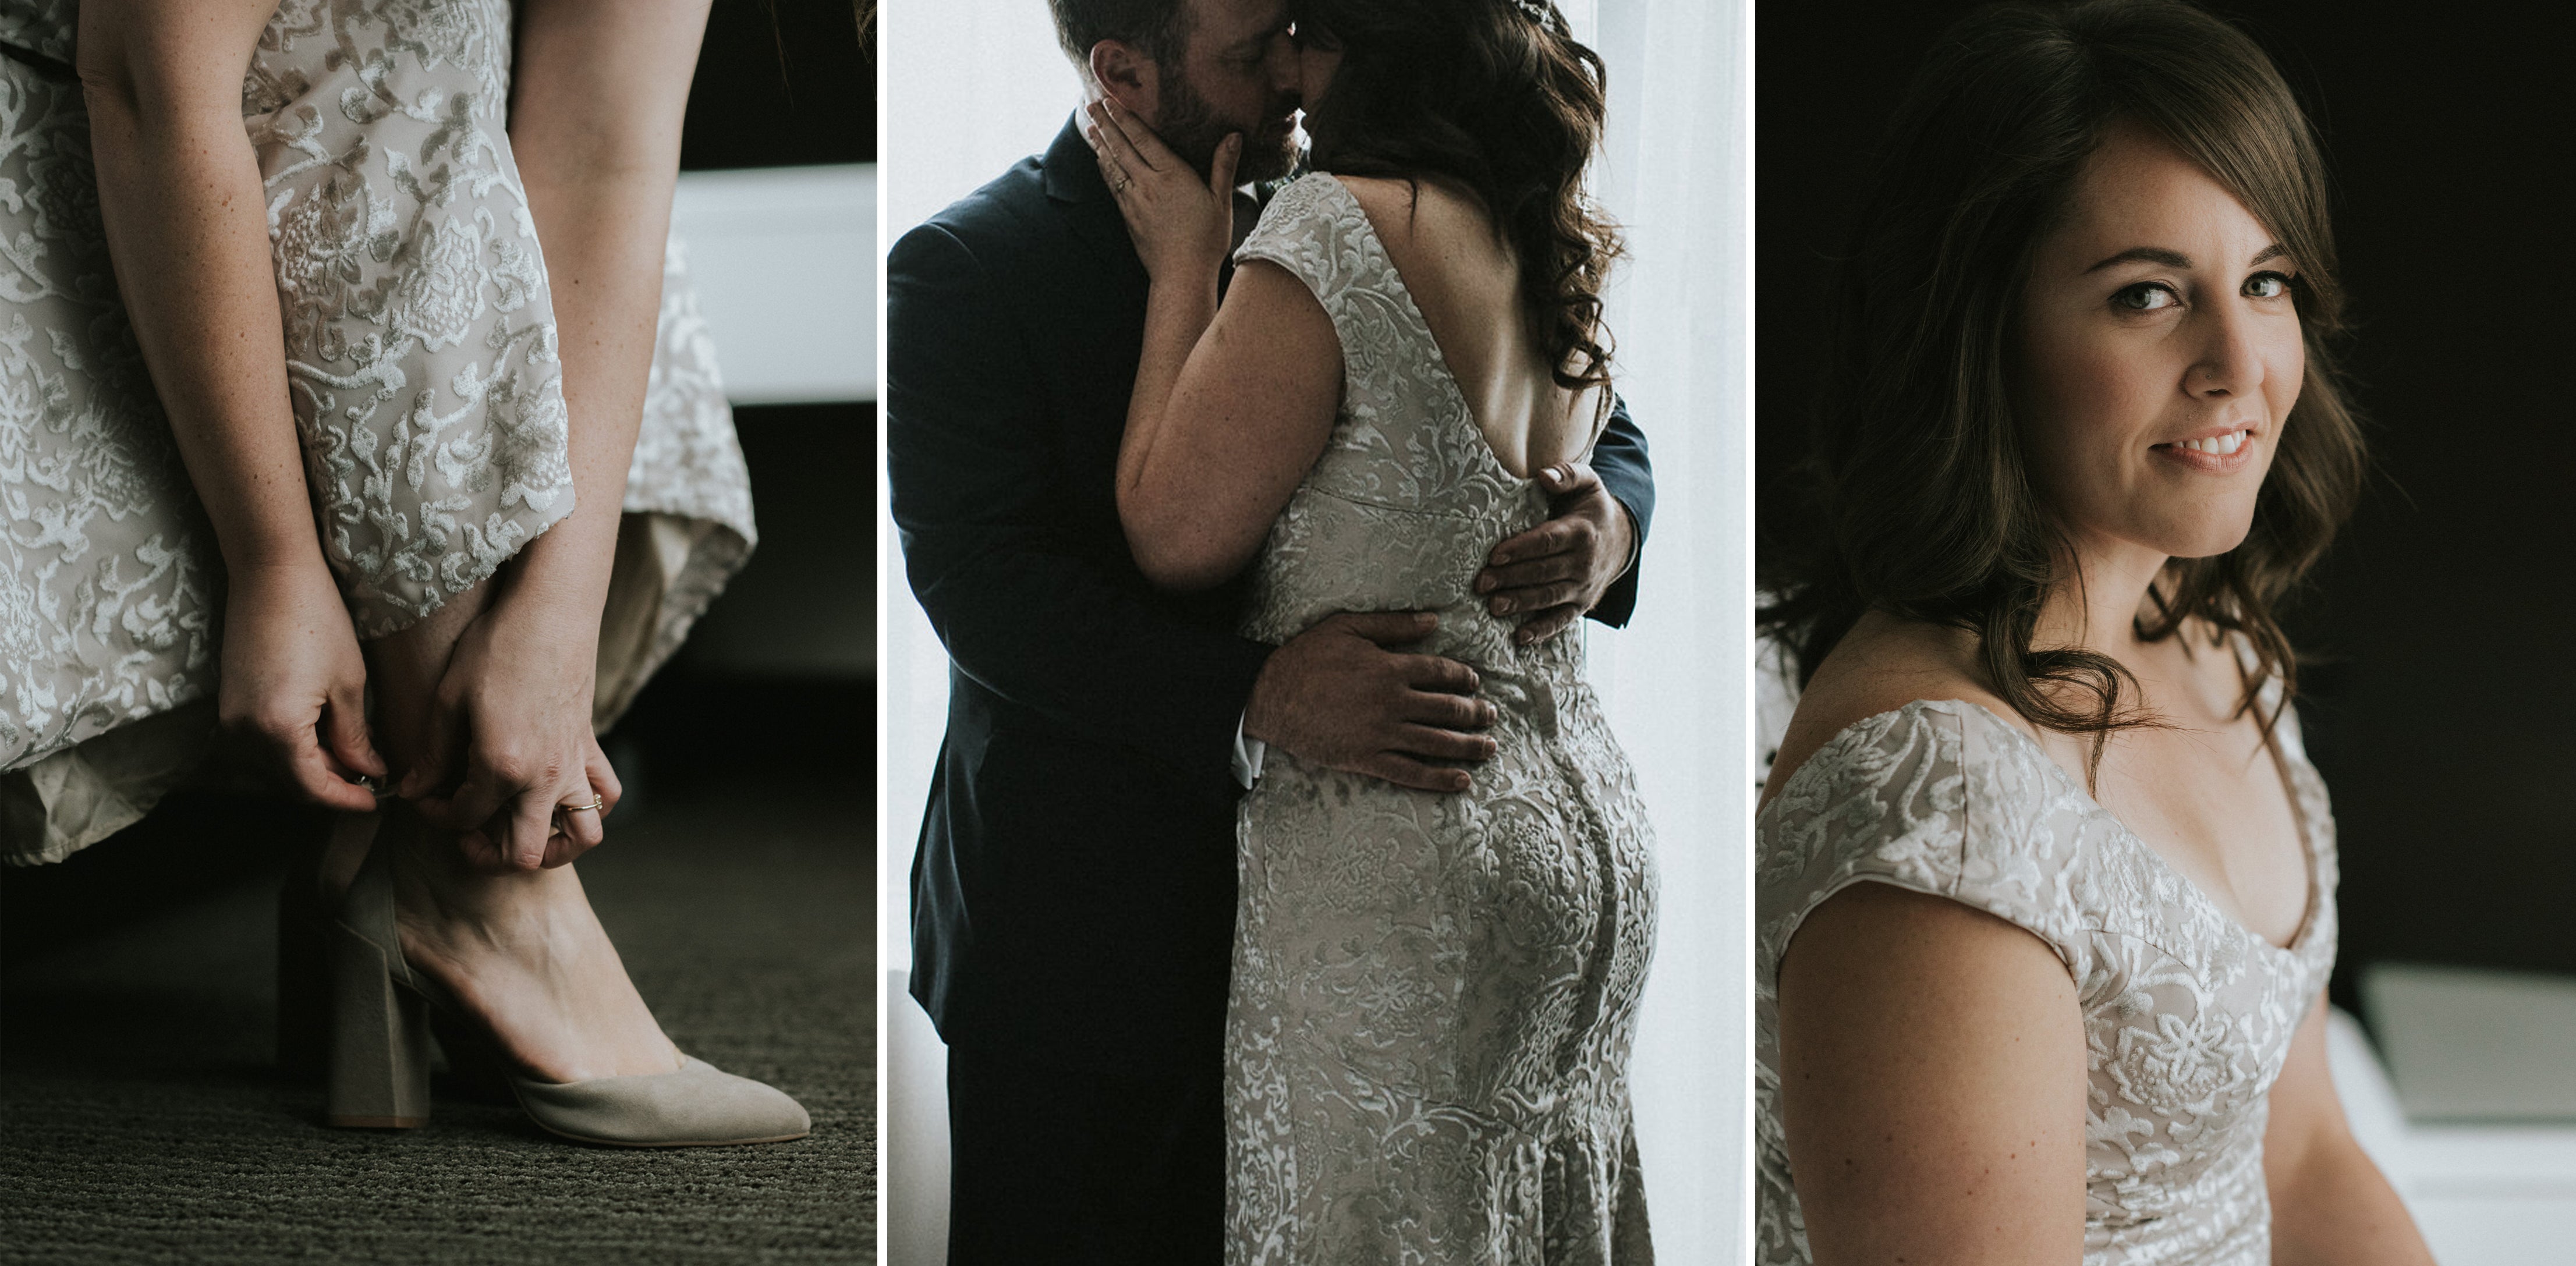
(1433, 996)
(423, 375)
(2187, 1014)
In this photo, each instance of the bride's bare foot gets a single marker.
(522, 953)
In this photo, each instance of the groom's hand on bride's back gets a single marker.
(1547, 577)
(1342, 696)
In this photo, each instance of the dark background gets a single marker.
(2439, 697)
(780, 83)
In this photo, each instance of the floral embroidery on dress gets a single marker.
(2187, 1015)
(422, 373)
(1434, 997)
(420, 343)
(108, 573)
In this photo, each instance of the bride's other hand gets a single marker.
(179, 196)
(509, 741)
(294, 681)
(1182, 225)
(1553, 573)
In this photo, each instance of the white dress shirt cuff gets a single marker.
(1247, 756)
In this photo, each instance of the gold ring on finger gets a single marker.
(597, 802)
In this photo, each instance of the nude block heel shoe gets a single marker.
(379, 1073)
(304, 915)
(381, 1041)
(698, 1106)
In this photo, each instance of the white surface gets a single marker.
(973, 87)
(2484, 1195)
(784, 260)
(915, 1133)
(1675, 681)
(2464, 1043)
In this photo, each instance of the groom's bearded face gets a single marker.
(1239, 73)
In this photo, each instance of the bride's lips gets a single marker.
(2220, 450)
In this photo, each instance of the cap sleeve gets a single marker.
(1938, 797)
(1317, 231)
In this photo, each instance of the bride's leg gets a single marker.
(522, 951)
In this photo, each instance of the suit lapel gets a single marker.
(1073, 180)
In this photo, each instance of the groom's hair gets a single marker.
(1158, 28)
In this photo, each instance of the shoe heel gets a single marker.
(379, 1041)
(304, 942)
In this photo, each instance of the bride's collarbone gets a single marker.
(2210, 798)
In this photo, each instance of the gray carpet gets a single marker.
(141, 1120)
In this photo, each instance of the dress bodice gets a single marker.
(1408, 498)
(2188, 1014)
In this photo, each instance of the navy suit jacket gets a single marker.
(1074, 889)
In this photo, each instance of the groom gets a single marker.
(1073, 896)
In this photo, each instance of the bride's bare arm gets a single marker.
(599, 90)
(1932, 1085)
(1233, 402)
(179, 192)
(2330, 1204)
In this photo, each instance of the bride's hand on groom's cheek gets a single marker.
(1553, 573)
(1182, 222)
(1341, 696)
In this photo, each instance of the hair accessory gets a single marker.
(1538, 11)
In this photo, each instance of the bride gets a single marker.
(2045, 882)
(1434, 995)
(360, 426)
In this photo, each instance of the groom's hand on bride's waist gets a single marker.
(1549, 576)
(1340, 695)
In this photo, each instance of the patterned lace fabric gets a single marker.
(1434, 996)
(2187, 1014)
(423, 377)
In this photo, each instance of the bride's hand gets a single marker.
(294, 681)
(509, 740)
(1182, 225)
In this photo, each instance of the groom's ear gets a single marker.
(1127, 76)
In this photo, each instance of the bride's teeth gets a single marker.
(2215, 445)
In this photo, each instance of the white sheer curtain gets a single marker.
(973, 87)
(1677, 679)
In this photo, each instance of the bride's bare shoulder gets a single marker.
(1406, 213)
(1883, 664)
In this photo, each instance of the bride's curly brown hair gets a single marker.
(1498, 98)
(1918, 490)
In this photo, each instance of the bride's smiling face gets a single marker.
(2159, 355)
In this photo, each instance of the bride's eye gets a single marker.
(2146, 296)
(2267, 285)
